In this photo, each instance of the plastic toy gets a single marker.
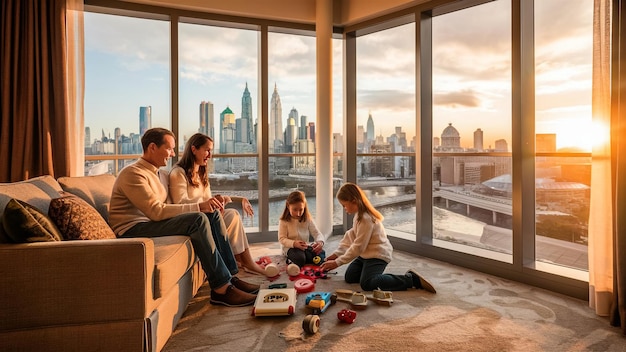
(311, 324)
(293, 270)
(310, 272)
(356, 299)
(381, 297)
(346, 316)
(318, 302)
(303, 285)
(271, 269)
(272, 302)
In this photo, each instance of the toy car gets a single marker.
(318, 302)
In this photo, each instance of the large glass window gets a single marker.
(472, 170)
(127, 87)
(564, 130)
(292, 119)
(218, 90)
(386, 125)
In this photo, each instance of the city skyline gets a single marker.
(127, 65)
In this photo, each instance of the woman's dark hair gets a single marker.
(292, 198)
(187, 160)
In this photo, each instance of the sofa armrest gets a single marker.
(75, 282)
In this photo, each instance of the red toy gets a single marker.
(304, 285)
(347, 316)
(311, 272)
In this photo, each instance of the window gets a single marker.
(218, 90)
(386, 125)
(472, 170)
(564, 130)
(127, 85)
(292, 119)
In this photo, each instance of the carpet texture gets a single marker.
(471, 311)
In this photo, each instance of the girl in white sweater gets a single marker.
(368, 250)
(294, 229)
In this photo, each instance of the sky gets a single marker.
(127, 66)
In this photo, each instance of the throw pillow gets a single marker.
(77, 220)
(24, 223)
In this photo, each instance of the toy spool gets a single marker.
(293, 269)
(311, 324)
(271, 270)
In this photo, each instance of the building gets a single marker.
(145, 119)
(207, 119)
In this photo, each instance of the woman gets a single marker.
(189, 182)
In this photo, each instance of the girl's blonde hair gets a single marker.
(349, 192)
(292, 198)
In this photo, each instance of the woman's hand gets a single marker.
(247, 207)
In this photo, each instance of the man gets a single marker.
(138, 209)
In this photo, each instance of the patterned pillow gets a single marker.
(77, 220)
(23, 222)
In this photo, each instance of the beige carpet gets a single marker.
(470, 312)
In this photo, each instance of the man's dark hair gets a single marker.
(155, 135)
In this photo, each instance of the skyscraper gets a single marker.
(227, 132)
(207, 119)
(371, 134)
(145, 119)
(302, 128)
(246, 114)
(276, 122)
(478, 140)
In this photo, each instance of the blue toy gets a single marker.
(318, 301)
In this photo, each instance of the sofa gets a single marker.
(112, 294)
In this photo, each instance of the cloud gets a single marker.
(465, 98)
(392, 100)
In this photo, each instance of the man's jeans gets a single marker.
(198, 227)
(220, 236)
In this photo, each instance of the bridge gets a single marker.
(471, 199)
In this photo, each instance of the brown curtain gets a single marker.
(618, 162)
(34, 109)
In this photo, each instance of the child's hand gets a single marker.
(329, 265)
(300, 245)
(317, 246)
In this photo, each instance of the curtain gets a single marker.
(600, 239)
(37, 115)
(75, 96)
(618, 163)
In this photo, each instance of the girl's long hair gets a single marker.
(186, 162)
(349, 192)
(292, 198)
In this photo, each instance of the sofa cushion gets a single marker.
(173, 256)
(25, 223)
(77, 220)
(95, 190)
(37, 192)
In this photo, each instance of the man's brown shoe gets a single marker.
(233, 297)
(244, 286)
